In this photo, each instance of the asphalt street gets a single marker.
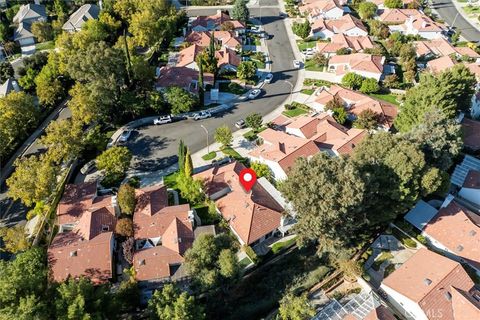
(449, 13)
(13, 211)
(155, 147)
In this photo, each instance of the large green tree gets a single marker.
(64, 139)
(115, 161)
(440, 139)
(223, 135)
(240, 11)
(14, 238)
(367, 10)
(302, 29)
(246, 70)
(180, 100)
(449, 91)
(172, 304)
(23, 286)
(210, 264)
(18, 115)
(6, 71)
(34, 179)
(294, 307)
(392, 169)
(325, 193)
(80, 299)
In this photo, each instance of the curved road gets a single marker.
(449, 13)
(155, 147)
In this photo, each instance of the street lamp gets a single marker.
(291, 89)
(208, 144)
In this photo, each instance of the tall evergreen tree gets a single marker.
(240, 11)
(201, 93)
(181, 156)
(188, 164)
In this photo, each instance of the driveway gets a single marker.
(155, 147)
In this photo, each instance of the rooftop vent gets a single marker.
(460, 248)
(73, 253)
(472, 233)
(427, 281)
(141, 262)
(448, 296)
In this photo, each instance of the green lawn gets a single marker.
(386, 97)
(277, 247)
(250, 135)
(311, 65)
(209, 156)
(232, 87)
(294, 112)
(229, 151)
(45, 45)
(171, 180)
(471, 10)
(302, 44)
(245, 262)
(316, 82)
(384, 256)
(307, 91)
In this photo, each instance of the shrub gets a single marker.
(409, 243)
(289, 107)
(369, 85)
(302, 29)
(422, 239)
(250, 253)
(127, 249)
(126, 199)
(352, 80)
(124, 227)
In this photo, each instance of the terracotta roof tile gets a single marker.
(358, 62)
(472, 180)
(251, 215)
(440, 64)
(471, 134)
(397, 16)
(458, 229)
(427, 278)
(155, 263)
(71, 255)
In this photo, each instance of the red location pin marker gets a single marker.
(248, 179)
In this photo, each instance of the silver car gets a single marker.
(125, 136)
(162, 120)
(202, 115)
(254, 93)
(269, 78)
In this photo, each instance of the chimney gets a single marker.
(281, 147)
(115, 205)
(424, 24)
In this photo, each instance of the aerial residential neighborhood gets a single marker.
(240, 159)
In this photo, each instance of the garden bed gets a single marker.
(209, 156)
(279, 246)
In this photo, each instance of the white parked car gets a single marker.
(87, 167)
(240, 124)
(162, 120)
(202, 115)
(254, 93)
(269, 78)
(125, 136)
(296, 64)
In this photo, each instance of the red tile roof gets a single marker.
(251, 215)
(440, 64)
(182, 77)
(430, 280)
(226, 57)
(458, 229)
(217, 20)
(397, 16)
(154, 218)
(91, 220)
(188, 55)
(471, 134)
(340, 40)
(359, 102)
(358, 62)
(472, 180)
(71, 255)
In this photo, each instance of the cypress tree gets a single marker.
(201, 92)
(181, 156)
(188, 164)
